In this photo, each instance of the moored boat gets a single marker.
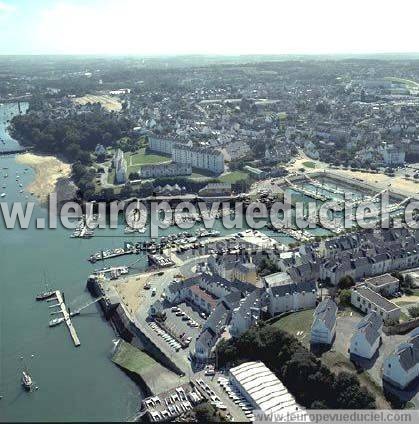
(26, 380)
(56, 321)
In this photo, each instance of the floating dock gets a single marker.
(67, 319)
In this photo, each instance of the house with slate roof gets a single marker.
(367, 336)
(323, 329)
(402, 367)
(285, 295)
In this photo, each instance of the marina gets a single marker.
(25, 255)
(86, 226)
(66, 316)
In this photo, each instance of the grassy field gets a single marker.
(309, 164)
(142, 158)
(297, 322)
(234, 176)
(337, 362)
(132, 359)
(135, 160)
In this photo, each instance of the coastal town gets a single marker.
(336, 303)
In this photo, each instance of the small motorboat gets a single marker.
(26, 380)
(56, 321)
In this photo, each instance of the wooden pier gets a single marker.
(67, 319)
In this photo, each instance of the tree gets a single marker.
(267, 266)
(407, 282)
(346, 282)
(399, 276)
(345, 297)
(307, 379)
(414, 311)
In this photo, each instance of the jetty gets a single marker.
(66, 316)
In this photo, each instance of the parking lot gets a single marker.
(232, 407)
(172, 403)
(189, 323)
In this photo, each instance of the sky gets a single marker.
(215, 27)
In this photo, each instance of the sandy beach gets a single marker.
(48, 169)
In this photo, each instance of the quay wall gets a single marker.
(129, 331)
(345, 181)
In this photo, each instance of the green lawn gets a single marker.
(135, 160)
(309, 164)
(142, 158)
(296, 322)
(233, 177)
(132, 359)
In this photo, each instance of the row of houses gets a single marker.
(359, 255)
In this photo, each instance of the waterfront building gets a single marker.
(367, 336)
(402, 366)
(233, 267)
(216, 190)
(367, 300)
(323, 329)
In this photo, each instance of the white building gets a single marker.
(264, 391)
(323, 329)
(160, 145)
(393, 155)
(368, 300)
(199, 157)
(367, 336)
(285, 295)
(204, 344)
(402, 366)
(246, 314)
(164, 170)
(120, 165)
(385, 284)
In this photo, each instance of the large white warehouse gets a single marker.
(264, 391)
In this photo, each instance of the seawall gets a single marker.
(116, 313)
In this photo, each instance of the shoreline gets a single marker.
(48, 170)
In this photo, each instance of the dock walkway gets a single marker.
(67, 319)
